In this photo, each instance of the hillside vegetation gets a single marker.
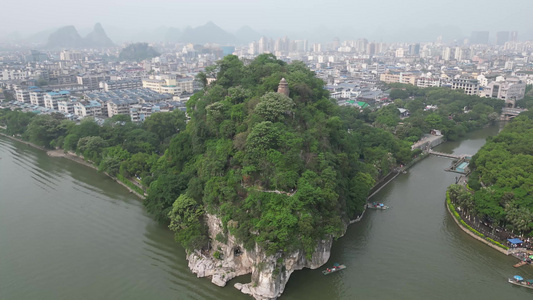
(282, 172)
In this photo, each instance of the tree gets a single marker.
(70, 142)
(415, 105)
(201, 77)
(434, 121)
(262, 137)
(398, 94)
(273, 106)
(137, 164)
(91, 148)
(140, 140)
(162, 193)
(165, 125)
(521, 218)
(185, 220)
(16, 122)
(87, 127)
(43, 129)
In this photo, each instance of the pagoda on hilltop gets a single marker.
(283, 87)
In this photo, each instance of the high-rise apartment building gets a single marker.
(502, 37)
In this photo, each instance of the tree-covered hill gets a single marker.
(138, 51)
(282, 172)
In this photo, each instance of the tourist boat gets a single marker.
(336, 267)
(518, 280)
(376, 205)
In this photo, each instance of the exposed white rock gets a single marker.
(269, 273)
(224, 269)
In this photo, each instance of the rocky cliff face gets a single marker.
(269, 273)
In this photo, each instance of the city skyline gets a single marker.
(384, 20)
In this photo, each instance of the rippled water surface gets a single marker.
(68, 232)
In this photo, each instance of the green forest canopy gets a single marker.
(502, 177)
(279, 171)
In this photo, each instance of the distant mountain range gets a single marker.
(210, 33)
(68, 37)
(207, 33)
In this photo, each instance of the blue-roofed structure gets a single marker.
(515, 241)
(462, 167)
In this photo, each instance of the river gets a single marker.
(68, 232)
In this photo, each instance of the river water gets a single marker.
(68, 232)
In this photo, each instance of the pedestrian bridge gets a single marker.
(449, 155)
(508, 112)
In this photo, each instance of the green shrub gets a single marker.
(217, 255)
(221, 238)
(497, 244)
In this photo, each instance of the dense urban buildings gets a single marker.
(79, 83)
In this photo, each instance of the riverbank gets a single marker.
(75, 158)
(23, 141)
(449, 207)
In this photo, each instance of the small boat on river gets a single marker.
(377, 205)
(518, 280)
(336, 267)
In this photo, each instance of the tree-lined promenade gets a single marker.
(500, 187)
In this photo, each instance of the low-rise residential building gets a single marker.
(51, 99)
(505, 90)
(90, 81)
(139, 112)
(468, 85)
(13, 74)
(88, 108)
(23, 95)
(162, 85)
(66, 106)
(120, 106)
(118, 101)
(186, 84)
(37, 97)
(428, 82)
(406, 78)
(110, 85)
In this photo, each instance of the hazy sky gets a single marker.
(363, 18)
